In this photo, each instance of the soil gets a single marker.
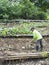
(26, 62)
(23, 45)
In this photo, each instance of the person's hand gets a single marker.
(33, 42)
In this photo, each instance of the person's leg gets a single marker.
(37, 45)
(41, 45)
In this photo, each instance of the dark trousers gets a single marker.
(39, 45)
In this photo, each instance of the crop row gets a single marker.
(13, 31)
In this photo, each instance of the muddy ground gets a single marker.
(26, 62)
(21, 44)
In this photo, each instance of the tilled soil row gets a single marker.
(21, 44)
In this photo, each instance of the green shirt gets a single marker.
(36, 35)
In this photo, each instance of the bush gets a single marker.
(24, 9)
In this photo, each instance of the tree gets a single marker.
(43, 4)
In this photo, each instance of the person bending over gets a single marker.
(38, 38)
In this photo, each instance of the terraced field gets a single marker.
(23, 45)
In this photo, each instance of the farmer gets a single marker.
(38, 38)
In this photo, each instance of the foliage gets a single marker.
(43, 4)
(14, 31)
(3, 32)
(27, 9)
(44, 54)
(47, 14)
(24, 28)
(9, 10)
